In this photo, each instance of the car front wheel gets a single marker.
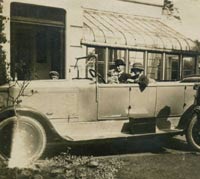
(193, 133)
(22, 139)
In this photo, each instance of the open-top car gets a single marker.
(43, 40)
(87, 110)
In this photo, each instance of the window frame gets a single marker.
(50, 25)
(162, 63)
(146, 59)
(180, 60)
(195, 64)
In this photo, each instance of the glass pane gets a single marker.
(101, 68)
(188, 66)
(113, 55)
(135, 57)
(154, 68)
(101, 58)
(36, 50)
(37, 46)
(172, 68)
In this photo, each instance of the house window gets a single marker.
(37, 41)
(154, 68)
(172, 68)
(101, 53)
(114, 54)
(135, 57)
(189, 66)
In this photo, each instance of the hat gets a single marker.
(137, 66)
(53, 73)
(119, 62)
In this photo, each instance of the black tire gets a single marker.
(193, 133)
(28, 131)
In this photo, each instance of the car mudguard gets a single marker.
(187, 116)
(197, 110)
(52, 135)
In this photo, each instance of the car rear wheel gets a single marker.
(21, 138)
(193, 133)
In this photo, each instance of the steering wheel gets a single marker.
(95, 74)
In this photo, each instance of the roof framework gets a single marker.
(104, 28)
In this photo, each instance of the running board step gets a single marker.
(111, 136)
(84, 131)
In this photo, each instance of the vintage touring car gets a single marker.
(43, 37)
(87, 110)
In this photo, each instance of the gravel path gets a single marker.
(140, 159)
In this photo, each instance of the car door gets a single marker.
(169, 104)
(142, 102)
(113, 101)
(170, 99)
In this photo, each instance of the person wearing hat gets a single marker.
(54, 75)
(137, 76)
(136, 72)
(117, 75)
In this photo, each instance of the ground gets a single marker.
(141, 159)
(163, 166)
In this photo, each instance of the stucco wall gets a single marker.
(124, 7)
(74, 25)
(74, 21)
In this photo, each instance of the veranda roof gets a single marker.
(111, 29)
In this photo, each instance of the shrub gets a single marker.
(3, 76)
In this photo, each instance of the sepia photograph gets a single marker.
(94, 89)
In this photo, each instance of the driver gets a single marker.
(117, 75)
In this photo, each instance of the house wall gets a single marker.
(74, 25)
(74, 22)
(126, 7)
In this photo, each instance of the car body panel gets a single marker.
(80, 109)
(113, 101)
(170, 103)
(189, 96)
(63, 101)
(170, 100)
(142, 102)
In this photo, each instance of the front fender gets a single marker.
(187, 116)
(52, 135)
(197, 111)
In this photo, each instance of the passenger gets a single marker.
(54, 75)
(137, 76)
(137, 71)
(117, 75)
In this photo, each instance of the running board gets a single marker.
(120, 136)
(101, 130)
